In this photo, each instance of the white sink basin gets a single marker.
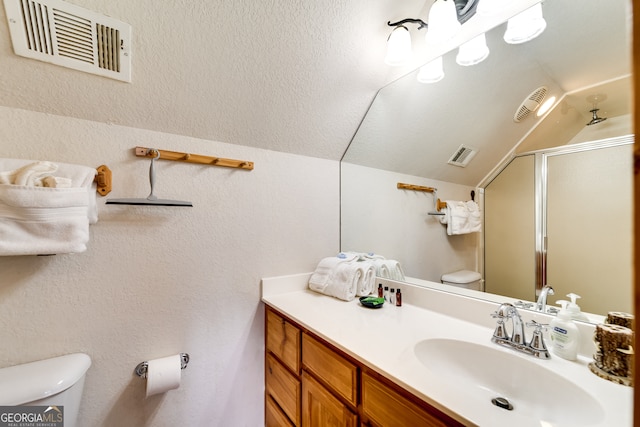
(483, 373)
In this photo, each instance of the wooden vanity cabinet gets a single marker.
(283, 388)
(384, 404)
(310, 383)
(321, 408)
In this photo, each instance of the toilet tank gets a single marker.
(463, 279)
(52, 382)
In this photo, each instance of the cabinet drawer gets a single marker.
(283, 340)
(337, 372)
(321, 409)
(384, 406)
(284, 388)
(274, 417)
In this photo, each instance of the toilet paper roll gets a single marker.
(163, 374)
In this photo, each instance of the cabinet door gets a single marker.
(284, 388)
(274, 417)
(283, 340)
(330, 367)
(321, 409)
(386, 407)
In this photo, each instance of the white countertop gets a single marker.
(383, 339)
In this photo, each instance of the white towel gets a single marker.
(462, 217)
(343, 277)
(66, 176)
(367, 279)
(36, 218)
(325, 269)
(389, 269)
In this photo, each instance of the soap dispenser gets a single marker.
(574, 309)
(564, 334)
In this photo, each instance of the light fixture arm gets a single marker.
(420, 22)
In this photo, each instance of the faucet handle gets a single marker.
(539, 326)
(537, 340)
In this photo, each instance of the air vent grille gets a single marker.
(74, 36)
(67, 35)
(530, 104)
(462, 156)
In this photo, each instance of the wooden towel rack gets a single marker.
(439, 203)
(403, 186)
(194, 158)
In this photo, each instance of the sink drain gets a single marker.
(503, 403)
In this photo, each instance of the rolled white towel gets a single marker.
(343, 283)
(325, 269)
(28, 175)
(367, 279)
(395, 270)
(343, 277)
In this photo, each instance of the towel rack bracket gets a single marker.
(103, 180)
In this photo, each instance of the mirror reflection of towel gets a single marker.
(461, 217)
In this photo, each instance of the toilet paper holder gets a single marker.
(141, 369)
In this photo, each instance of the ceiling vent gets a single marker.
(530, 104)
(67, 35)
(462, 156)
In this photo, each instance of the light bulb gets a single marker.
(525, 26)
(443, 22)
(546, 106)
(398, 47)
(431, 72)
(473, 52)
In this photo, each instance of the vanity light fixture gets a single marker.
(473, 52)
(446, 19)
(443, 21)
(490, 7)
(398, 46)
(431, 72)
(525, 26)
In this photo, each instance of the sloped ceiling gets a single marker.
(299, 77)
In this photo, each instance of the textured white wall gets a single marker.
(156, 281)
(377, 217)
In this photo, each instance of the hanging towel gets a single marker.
(461, 217)
(45, 208)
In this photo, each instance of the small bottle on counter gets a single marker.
(380, 291)
(398, 298)
(392, 297)
(386, 293)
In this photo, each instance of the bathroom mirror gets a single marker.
(411, 131)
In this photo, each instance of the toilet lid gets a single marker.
(37, 380)
(462, 276)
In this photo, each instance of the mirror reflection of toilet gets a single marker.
(463, 279)
(51, 382)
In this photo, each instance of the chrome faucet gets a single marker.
(541, 305)
(536, 347)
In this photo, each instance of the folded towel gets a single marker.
(45, 214)
(462, 217)
(343, 277)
